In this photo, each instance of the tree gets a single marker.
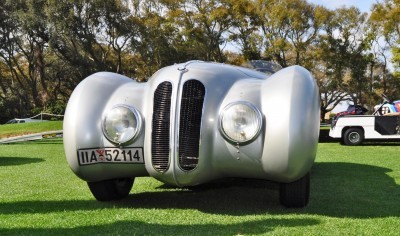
(203, 24)
(159, 41)
(385, 18)
(245, 28)
(342, 57)
(23, 46)
(385, 22)
(290, 28)
(47, 47)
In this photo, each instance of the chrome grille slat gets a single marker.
(161, 123)
(189, 123)
(191, 109)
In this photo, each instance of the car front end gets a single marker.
(192, 123)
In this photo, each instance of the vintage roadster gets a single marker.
(193, 123)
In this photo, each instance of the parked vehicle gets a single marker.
(353, 130)
(351, 110)
(193, 123)
(383, 124)
(387, 106)
(20, 121)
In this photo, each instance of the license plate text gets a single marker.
(111, 155)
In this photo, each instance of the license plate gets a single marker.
(110, 155)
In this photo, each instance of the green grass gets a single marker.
(10, 130)
(354, 191)
(327, 127)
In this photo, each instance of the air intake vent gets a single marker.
(189, 125)
(161, 124)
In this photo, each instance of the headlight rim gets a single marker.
(259, 121)
(139, 122)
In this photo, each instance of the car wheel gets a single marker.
(295, 194)
(353, 136)
(109, 190)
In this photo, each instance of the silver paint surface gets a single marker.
(284, 150)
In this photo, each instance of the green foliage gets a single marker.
(385, 17)
(341, 58)
(290, 27)
(396, 57)
(244, 31)
(48, 47)
(55, 107)
(354, 191)
(385, 22)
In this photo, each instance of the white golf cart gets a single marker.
(354, 129)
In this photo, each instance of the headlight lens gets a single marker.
(240, 122)
(121, 124)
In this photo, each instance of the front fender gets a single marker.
(291, 106)
(83, 116)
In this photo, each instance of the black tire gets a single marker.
(110, 190)
(353, 136)
(295, 194)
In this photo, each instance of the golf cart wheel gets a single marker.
(353, 136)
(109, 190)
(295, 194)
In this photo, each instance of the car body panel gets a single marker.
(283, 151)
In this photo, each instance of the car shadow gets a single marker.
(16, 161)
(381, 143)
(337, 190)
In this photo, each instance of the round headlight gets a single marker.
(240, 122)
(121, 124)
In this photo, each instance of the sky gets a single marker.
(363, 5)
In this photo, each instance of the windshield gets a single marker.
(267, 67)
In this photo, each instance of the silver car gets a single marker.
(193, 123)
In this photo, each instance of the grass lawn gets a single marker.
(354, 191)
(10, 130)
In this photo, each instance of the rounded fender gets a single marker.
(82, 120)
(290, 103)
